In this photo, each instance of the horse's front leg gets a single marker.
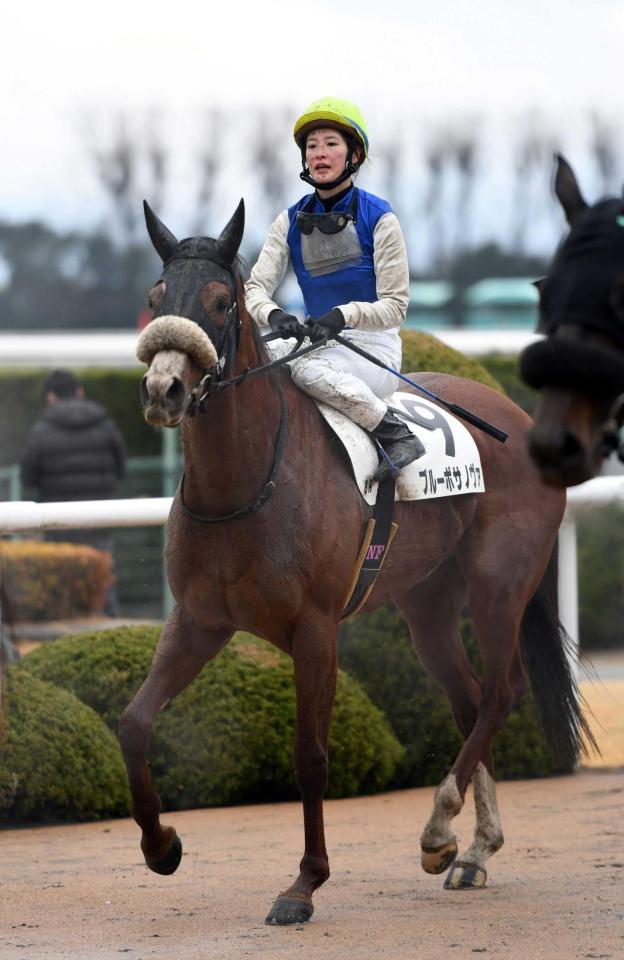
(315, 665)
(182, 651)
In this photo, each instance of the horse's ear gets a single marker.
(163, 239)
(567, 190)
(230, 239)
(539, 284)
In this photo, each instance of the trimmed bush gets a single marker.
(58, 760)
(601, 572)
(228, 737)
(52, 581)
(376, 649)
(422, 351)
(505, 370)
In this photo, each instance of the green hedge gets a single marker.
(601, 574)
(422, 351)
(228, 737)
(58, 760)
(376, 649)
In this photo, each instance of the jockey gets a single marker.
(349, 257)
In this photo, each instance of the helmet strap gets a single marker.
(350, 169)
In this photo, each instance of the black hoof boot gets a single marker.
(170, 862)
(400, 445)
(289, 910)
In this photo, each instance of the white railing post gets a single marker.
(568, 584)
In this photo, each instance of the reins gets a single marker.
(212, 382)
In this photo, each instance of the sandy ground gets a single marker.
(556, 889)
(602, 686)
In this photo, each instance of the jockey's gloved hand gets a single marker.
(285, 324)
(327, 325)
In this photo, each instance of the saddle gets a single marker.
(450, 467)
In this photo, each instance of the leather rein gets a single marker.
(213, 381)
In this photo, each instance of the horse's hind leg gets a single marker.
(497, 609)
(182, 651)
(432, 610)
(469, 871)
(315, 664)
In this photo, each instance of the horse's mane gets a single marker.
(241, 273)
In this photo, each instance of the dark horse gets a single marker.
(579, 367)
(262, 537)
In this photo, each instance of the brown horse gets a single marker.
(262, 537)
(579, 367)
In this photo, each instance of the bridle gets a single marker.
(213, 381)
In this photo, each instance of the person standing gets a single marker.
(74, 452)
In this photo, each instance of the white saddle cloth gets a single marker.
(450, 466)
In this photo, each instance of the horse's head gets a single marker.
(579, 367)
(196, 320)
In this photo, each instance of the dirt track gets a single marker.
(556, 888)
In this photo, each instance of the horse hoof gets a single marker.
(287, 910)
(438, 860)
(465, 876)
(170, 862)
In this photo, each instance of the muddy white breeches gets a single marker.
(342, 379)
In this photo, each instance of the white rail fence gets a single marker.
(117, 348)
(19, 517)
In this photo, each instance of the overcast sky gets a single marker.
(403, 61)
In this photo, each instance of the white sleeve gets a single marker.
(392, 280)
(269, 271)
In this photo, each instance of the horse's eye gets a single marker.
(222, 306)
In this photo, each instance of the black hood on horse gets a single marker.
(585, 283)
(582, 299)
(579, 366)
(191, 264)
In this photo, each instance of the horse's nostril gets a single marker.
(569, 446)
(144, 391)
(175, 392)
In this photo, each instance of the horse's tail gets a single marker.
(548, 654)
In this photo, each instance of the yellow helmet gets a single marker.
(332, 112)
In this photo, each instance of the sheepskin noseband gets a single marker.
(572, 365)
(176, 333)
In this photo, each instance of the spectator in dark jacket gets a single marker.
(74, 452)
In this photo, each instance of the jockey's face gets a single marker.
(326, 154)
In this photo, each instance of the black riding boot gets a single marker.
(399, 443)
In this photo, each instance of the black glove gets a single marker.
(330, 324)
(284, 324)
